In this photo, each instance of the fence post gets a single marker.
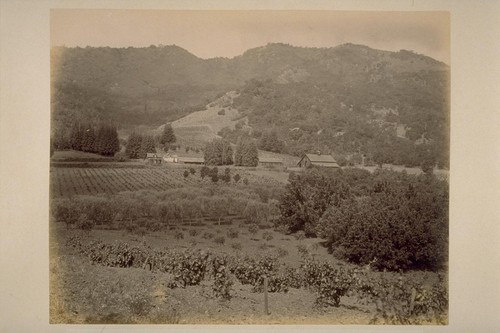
(412, 299)
(266, 306)
(145, 263)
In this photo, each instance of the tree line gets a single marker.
(138, 145)
(100, 139)
(216, 152)
(220, 152)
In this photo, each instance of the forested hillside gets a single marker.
(352, 101)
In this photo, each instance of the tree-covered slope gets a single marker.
(390, 107)
(350, 100)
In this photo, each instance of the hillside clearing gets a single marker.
(199, 127)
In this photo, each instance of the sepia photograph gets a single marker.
(249, 167)
(234, 165)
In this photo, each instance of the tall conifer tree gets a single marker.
(133, 145)
(88, 138)
(147, 146)
(218, 152)
(250, 154)
(168, 135)
(76, 136)
(107, 142)
(246, 153)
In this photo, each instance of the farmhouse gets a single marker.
(270, 162)
(191, 160)
(317, 160)
(170, 158)
(153, 159)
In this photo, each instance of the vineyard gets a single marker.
(90, 181)
(67, 181)
(233, 285)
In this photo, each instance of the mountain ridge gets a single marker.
(342, 88)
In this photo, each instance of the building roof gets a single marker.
(321, 160)
(270, 160)
(328, 165)
(153, 155)
(191, 159)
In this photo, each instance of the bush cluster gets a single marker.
(116, 254)
(252, 271)
(219, 240)
(232, 233)
(392, 220)
(329, 282)
(267, 236)
(222, 282)
(189, 268)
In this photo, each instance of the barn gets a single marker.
(153, 159)
(317, 160)
(270, 162)
(191, 160)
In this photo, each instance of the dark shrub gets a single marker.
(402, 225)
(207, 235)
(67, 211)
(267, 236)
(236, 178)
(307, 196)
(231, 233)
(219, 240)
(100, 210)
(84, 223)
(253, 229)
(236, 246)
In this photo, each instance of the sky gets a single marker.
(211, 33)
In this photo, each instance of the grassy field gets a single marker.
(197, 128)
(276, 175)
